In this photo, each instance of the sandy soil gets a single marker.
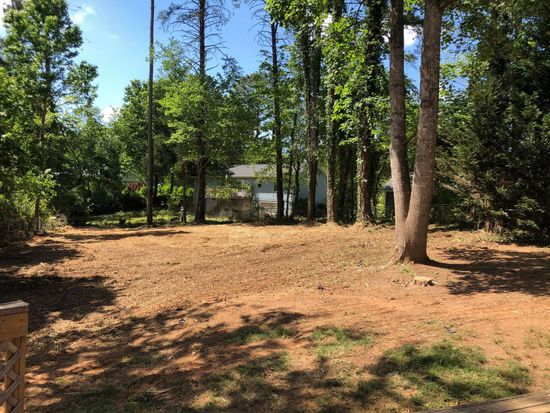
(101, 299)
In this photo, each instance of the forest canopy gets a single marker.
(327, 98)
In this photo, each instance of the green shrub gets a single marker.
(132, 201)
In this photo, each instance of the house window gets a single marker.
(259, 184)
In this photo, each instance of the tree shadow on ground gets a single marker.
(415, 377)
(23, 255)
(491, 270)
(106, 234)
(179, 362)
(51, 296)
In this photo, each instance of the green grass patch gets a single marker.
(255, 333)
(329, 341)
(134, 219)
(109, 400)
(246, 386)
(443, 374)
(147, 399)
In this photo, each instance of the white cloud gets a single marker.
(107, 113)
(3, 4)
(113, 36)
(410, 36)
(80, 15)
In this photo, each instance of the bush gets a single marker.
(132, 201)
(17, 202)
(74, 206)
(162, 201)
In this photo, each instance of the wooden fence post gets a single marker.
(14, 326)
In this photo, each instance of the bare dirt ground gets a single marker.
(221, 317)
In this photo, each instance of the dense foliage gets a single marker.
(319, 101)
(47, 120)
(495, 133)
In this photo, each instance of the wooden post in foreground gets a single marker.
(14, 326)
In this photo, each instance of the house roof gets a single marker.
(248, 171)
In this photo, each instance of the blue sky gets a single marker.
(116, 41)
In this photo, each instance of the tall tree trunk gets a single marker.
(373, 161)
(332, 128)
(291, 160)
(296, 184)
(365, 176)
(150, 119)
(343, 175)
(398, 147)
(200, 206)
(414, 244)
(41, 141)
(289, 183)
(184, 194)
(171, 183)
(351, 193)
(156, 190)
(332, 148)
(377, 174)
(277, 122)
(43, 149)
(374, 41)
(312, 69)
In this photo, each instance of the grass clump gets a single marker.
(147, 399)
(131, 219)
(444, 374)
(246, 386)
(535, 338)
(135, 219)
(330, 341)
(254, 333)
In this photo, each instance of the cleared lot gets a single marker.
(276, 318)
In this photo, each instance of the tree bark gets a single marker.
(366, 176)
(414, 243)
(296, 185)
(200, 205)
(373, 46)
(41, 139)
(289, 183)
(156, 190)
(351, 193)
(150, 119)
(332, 147)
(344, 170)
(42, 135)
(277, 122)
(291, 160)
(184, 194)
(398, 147)
(332, 129)
(312, 69)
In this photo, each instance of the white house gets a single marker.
(261, 179)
